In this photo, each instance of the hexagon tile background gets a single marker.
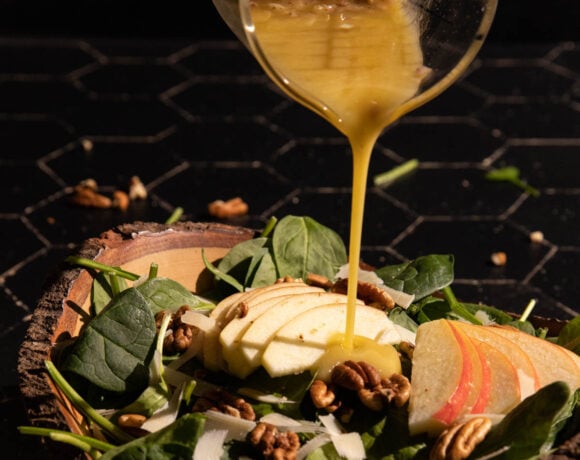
(199, 122)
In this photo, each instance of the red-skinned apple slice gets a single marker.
(469, 390)
(503, 381)
(529, 381)
(551, 361)
(441, 378)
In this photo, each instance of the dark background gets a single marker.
(516, 20)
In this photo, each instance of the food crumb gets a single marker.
(87, 145)
(499, 259)
(120, 200)
(536, 236)
(137, 190)
(231, 208)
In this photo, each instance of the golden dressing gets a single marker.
(355, 63)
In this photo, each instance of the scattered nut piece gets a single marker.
(85, 196)
(89, 183)
(288, 279)
(137, 190)
(120, 200)
(536, 237)
(226, 403)
(131, 420)
(458, 441)
(323, 396)
(371, 294)
(274, 444)
(87, 145)
(225, 209)
(319, 281)
(180, 335)
(499, 259)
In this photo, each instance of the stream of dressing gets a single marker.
(354, 63)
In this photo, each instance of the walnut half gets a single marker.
(458, 441)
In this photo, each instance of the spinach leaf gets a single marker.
(175, 442)
(529, 429)
(241, 260)
(301, 245)
(496, 315)
(167, 294)
(569, 336)
(262, 271)
(400, 316)
(113, 350)
(101, 293)
(422, 276)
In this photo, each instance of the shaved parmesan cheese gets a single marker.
(312, 445)
(349, 445)
(264, 397)
(284, 423)
(174, 377)
(210, 445)
(237, 428)
(365, 276)
(166, 415)
(199, 320)
(277, 419)
(402, 299)
(332, 424)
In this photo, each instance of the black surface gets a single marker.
(197, 121)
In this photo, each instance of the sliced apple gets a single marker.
(441, 378)
(300, 343)
(231, 335)
(245, 356)
(552, 362)
(223, 313)
(502, 381)
(528, 378)
(480, 382)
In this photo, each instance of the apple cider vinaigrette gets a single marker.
(355, 63)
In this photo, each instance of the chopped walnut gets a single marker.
(180, 334)
(323, 396)
(226, 403)
(137, 190)
(288, 279)
(363, 380)
(131, 423)
(273, 443)
(225, 209)
(369, 293)
(238, 311)
(396, 389)
(458, 441)
(120, 200)
(319, 281)
(536, 236)
(85, 194)
(499, 259)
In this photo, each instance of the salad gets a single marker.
(242, 371)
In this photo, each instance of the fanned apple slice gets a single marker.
(552, 362)
(504, 385)
(299, 344)
(247, 354)
(441, 378)
(528, 379)
(480, 385)
(231, 334)
(223, 313)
